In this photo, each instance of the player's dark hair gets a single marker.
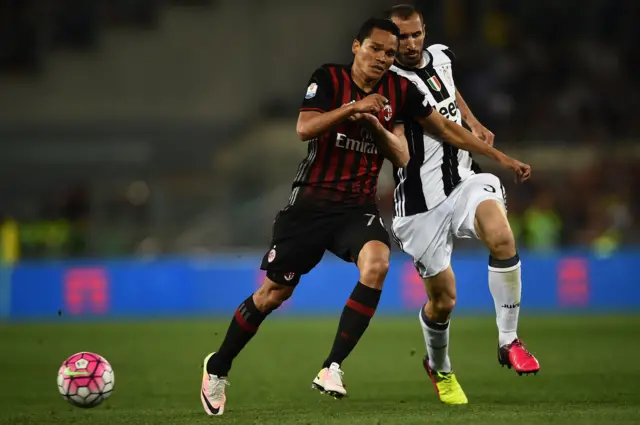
(380, 23)
(404, 12)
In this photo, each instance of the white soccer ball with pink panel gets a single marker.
(85, 379)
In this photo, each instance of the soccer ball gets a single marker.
(85, 379)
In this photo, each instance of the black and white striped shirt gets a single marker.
(435, 167)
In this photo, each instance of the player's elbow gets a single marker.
(401, 157)
(404, 159)
(303, 133)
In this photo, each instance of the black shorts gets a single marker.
(301, 235)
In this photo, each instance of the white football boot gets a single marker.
(212, 394)
(329, 381)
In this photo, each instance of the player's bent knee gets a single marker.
(493, 228)
(500, 242)
(441, 291)
(271, 295)
(444, 304)
(374, 271)
(373, 262)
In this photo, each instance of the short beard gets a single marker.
(411, 63)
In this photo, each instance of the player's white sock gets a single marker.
(436, 338)
(506, 287)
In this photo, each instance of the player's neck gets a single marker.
(366, 84)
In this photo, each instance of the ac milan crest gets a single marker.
(387, 112)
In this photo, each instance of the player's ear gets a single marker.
(355, 46)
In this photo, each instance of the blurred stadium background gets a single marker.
(146, 145)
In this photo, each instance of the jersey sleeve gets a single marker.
(415, 105)
(319, 95)
(451, 55)
(445, 50)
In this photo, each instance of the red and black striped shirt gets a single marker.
(342, 165)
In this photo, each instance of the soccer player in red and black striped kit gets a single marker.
(351, 117)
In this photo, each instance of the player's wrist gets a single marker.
(373, 124)
(496, 155)
(352, 109)
(503, 158)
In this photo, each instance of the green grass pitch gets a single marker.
(590, 373)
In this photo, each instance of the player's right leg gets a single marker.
(505, 283)
(297, 246)
(482, 214)
(361, 238)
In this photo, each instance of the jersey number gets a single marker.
(449, 111)
(373, 217)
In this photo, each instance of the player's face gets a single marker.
(375, 55)
(412, 36)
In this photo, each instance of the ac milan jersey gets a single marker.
(343, 164)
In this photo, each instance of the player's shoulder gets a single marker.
(437, 48)
(394, 75)
(400, 71)
(441, 54)
(397, 75)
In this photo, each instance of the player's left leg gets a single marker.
(365, 241)
(373, 262)
(428, 238)
(492, 227)
(434, 320)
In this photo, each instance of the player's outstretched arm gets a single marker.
(461, 138)
(477, 129)
(313, 123)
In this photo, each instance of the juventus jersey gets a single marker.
(435, 167)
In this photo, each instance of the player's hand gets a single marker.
(364, 119)
(482, 133)
(522, 170)
(371, 104)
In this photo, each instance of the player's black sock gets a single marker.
(354, 321)
(242, 328)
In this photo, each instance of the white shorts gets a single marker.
(428, 237)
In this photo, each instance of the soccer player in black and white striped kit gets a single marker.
(442, 194)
